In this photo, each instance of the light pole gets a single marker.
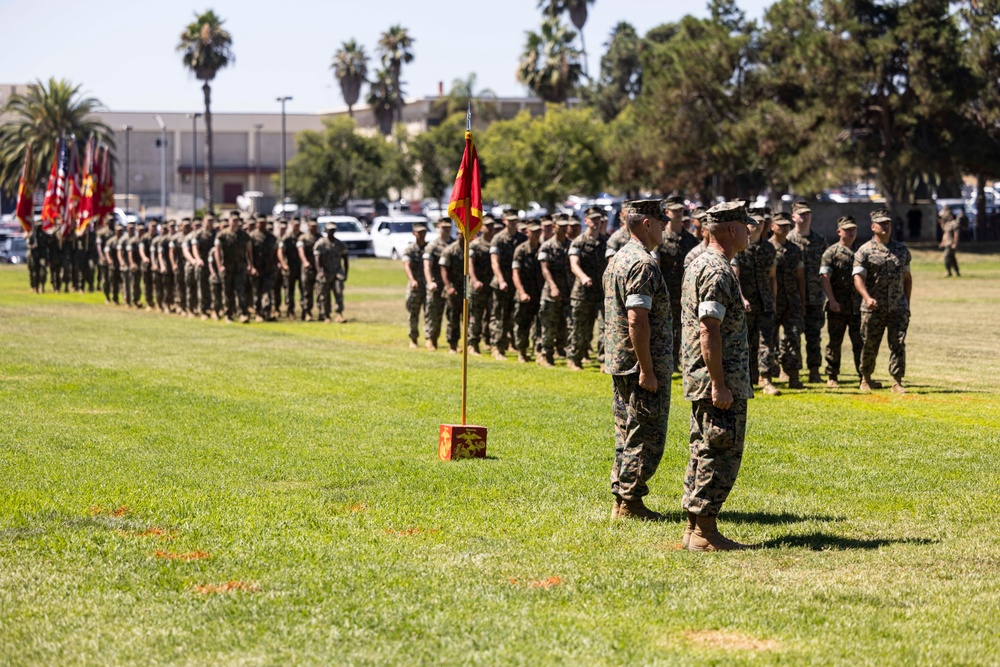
(163, 167)
(283, 100)
(127, 129)
(194, 163)
(258, 127)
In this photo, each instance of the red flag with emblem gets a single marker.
(465, 207)
(88, 204)
(105, 187)
(25, 194)
(54, 205)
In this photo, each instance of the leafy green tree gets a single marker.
(396, 48)
(206, 47)
(627, 154)
(544, 158)
(338, 164)
(550, 65)
(621, 73)
(38, 117)
(438, 152)
(350, 67)
(577, 10)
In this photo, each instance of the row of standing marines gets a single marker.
(716, 340)
(536, 288)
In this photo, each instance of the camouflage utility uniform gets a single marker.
(233, 251)
(787, 308)
(837, 264)
(884, 267)
(711, 290)
(330, 254)
(434, 306)
(554, 255)
(265, 261)
(306, 242)
(812, 247)
(479, 299)
(529, 271)
(587, 302)
(415, 296)
(502, 308)
(755, 264)
(671, 254)
(451, 263)
(204, 241)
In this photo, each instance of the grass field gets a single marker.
(194, 493)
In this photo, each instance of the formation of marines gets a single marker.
(735, 292)
(536, 290)
(195, 268)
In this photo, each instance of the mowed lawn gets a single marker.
(182, 492)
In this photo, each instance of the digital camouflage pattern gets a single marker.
(788, 320)
(716, 453)
(554, 255)
(812, 246)
(755, 265)
(884, 267)
(695, 254)
(415, 297)
(671, 254)
(632, 280)
(837, 264)
(529, 271)
(451, 262)
(307, 285)
(434, 305)
(640, 420)
(616, 241)
(479, 299)
(587, 303)
(712, 289)
(502, 307)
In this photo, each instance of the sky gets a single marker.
(123, 52)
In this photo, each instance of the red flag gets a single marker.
(25, 193)
(51, 206)
(106, 187)
(88, 206)
(465, 207)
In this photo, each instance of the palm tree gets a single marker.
(550, 64)
(39, 117)
(350, 67)
(395, 48)
(577, 15)
(463, 93)
(382, 100)
(206, 47)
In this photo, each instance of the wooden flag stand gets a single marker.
(463, 441)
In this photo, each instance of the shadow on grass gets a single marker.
(825, 542)
(774, 519)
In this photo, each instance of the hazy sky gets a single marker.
(124, 51)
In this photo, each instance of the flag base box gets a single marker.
(461, 442)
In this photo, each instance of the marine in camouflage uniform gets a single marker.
(35, 258)
(434, 305)
(882, 277)
(677, 243)
(788, 308)
(616, 242)
(755, 268)
(201, 249)
(553, 255)
(587, 262)
(502, 307)
(480, 277)
(291, 265)
(526, 277)
(950, 230)
(146, 255)
(634, 288)
(416, 286)
(304, 246)
(215, 284)
(103, 234)
(264, 248)
(128, 250)
(812, 244)
(843, 303)
(332, 266)
(233, 256)
(168, 302)
(112, 286)
(178, 263)
(717, 388)
(279, 286)
(452, 275)
(188, 243)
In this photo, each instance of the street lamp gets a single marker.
(283, 100)
(127, 129)
(163, 166)
(258, 127)
(194, 163)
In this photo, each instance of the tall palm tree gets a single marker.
(206, 47)
(350, 67)
(395, 46)
(40, 116)
(463, 94)
(577, 15)
(382, 100)
(550, 64)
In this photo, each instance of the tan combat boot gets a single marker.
(474, 351)
(545, 361)
(573, 366)
(832, 383)
(635, 509)
(897, 387)
(866, 385)
(782, 376)
(498, 355)
(430, 345)
(706, 537)
(688, 529)
(339, 319)
(768, 387)
(794, 382)
(413, 343)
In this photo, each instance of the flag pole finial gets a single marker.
(468, 118)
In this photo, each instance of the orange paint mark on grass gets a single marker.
(150, 532)
(730, 641)
(189, 556)
(357, 508)
(407, 532)
(544, 584)
(95, 510)
(228, 587)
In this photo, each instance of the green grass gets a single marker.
(302, 459)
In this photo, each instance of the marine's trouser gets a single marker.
(553, 326)
(191, 282)
(479, 312)
(147, 283)
(787, 339)
(415, 299)
(292, 279)
(308, 287)
(180, 289)
(716, 452)
(502, 317)
(204, 289)
(640, 434)
(433, 312)
(524, 317)
(873, 325)
(234, 283)
(169, 294)
(453, 307)
(125, 280)
(263, 289)
(836, 325)
(950, 261)
(760, 342)
(585, 313)
(813, 330)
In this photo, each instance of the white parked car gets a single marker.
(351, 232)
(391, 234)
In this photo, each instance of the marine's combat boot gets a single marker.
(498, 355)
(474, 351)
(832, 382)
(706, 537)
(814, 376)
(545, 360)
(573, 366)
(635, 509)
(897, 387)
(768, 387)
(794, 382)
(616, 508)
(866, 385)
(688, 529)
